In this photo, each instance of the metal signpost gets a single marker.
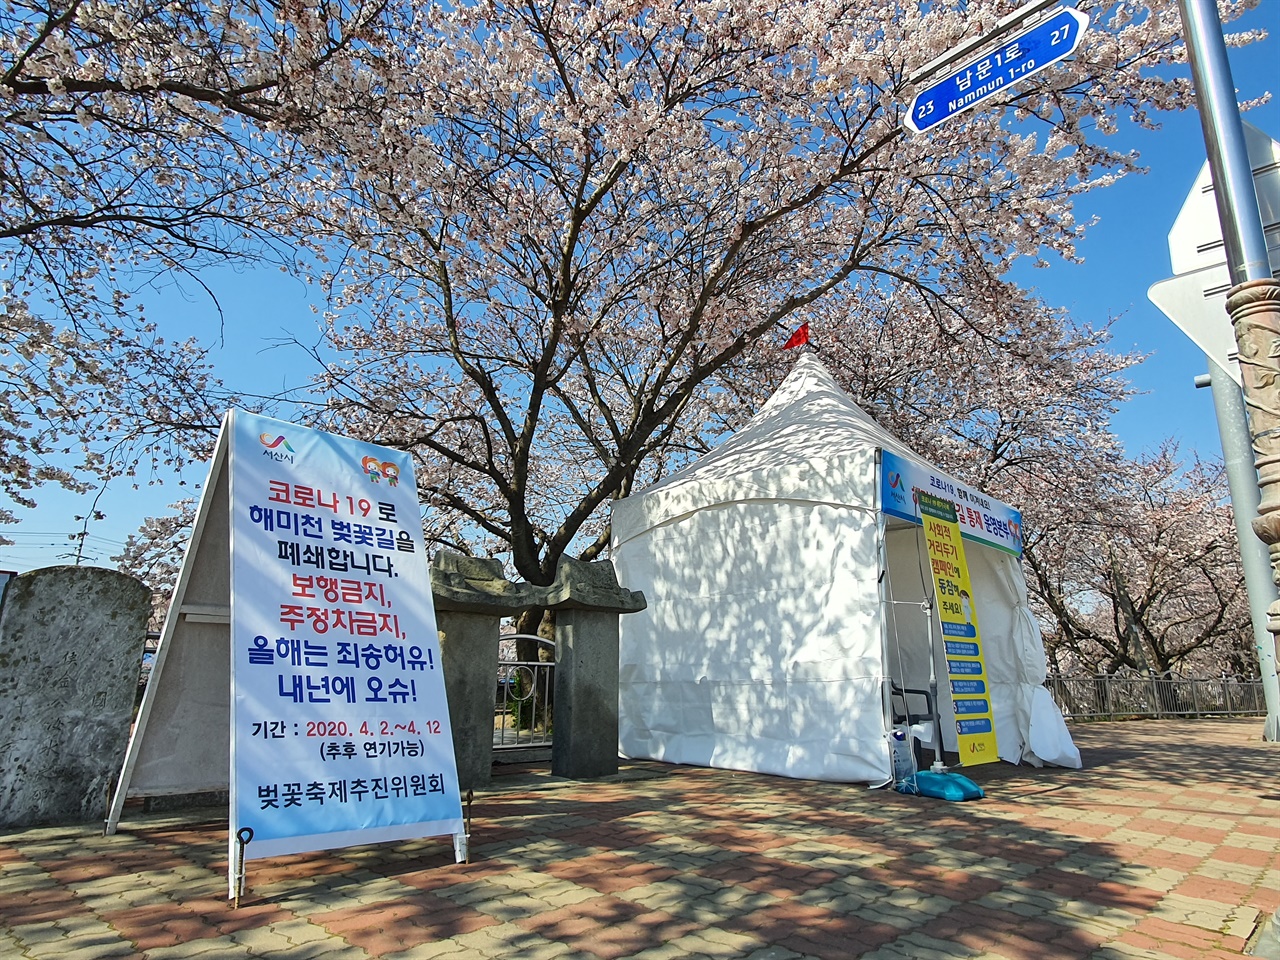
(1015, 59)
(1253, 300)
(1196, 300)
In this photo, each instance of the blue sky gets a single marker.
(1124, 254)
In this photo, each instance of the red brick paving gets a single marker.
(933, 881)
(611, 836)
(10, 855)
(1081, 886)
(385, 928)
(813, 931)
(732, 837)
(444, 873)
(163, 925)
(608, 927)
(609, 872)
(39, 906)
(768, 875)
(823, 865)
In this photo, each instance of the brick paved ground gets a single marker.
(1166, 846)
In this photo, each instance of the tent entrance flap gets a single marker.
(912, 662)
(912, 684)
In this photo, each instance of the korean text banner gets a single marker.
(981, 518)
(962, 640)
(339, 725)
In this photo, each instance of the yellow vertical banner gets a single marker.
(966, 670)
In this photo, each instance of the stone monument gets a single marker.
(71, 641)
(471, 597)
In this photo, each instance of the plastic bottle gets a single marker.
(900, 743)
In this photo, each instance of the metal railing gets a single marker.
(1131, 695)
(522, 714)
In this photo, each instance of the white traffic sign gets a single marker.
(1014, 60)
(1197, 303)
(1195, 298)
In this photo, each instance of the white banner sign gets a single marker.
(339, 723)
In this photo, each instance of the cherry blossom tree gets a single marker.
(559, 242)
(155, 553)
(558, 248)
(1140, 571)
(1131, 563)
(138, 142)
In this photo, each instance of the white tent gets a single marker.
(782, 600)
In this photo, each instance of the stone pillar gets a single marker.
(585, 744)
(469, 658)
(471, 597)
(71, 642)
(587, 601)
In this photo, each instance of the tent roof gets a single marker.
(809, 414)
(810, 441)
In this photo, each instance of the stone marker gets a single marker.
(71, 642)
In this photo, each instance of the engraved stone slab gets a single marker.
(71, 642)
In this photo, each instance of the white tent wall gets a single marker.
(752, 658)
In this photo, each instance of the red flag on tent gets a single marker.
(801, 336)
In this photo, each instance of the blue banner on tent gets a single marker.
(982, 519)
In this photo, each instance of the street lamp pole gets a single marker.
(1253, 302)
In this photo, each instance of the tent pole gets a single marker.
(938, 765)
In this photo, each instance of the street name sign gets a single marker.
(1026, 54)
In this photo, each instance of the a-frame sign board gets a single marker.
(181, 741)
(299, 665)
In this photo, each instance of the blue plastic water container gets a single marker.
(944, 786)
